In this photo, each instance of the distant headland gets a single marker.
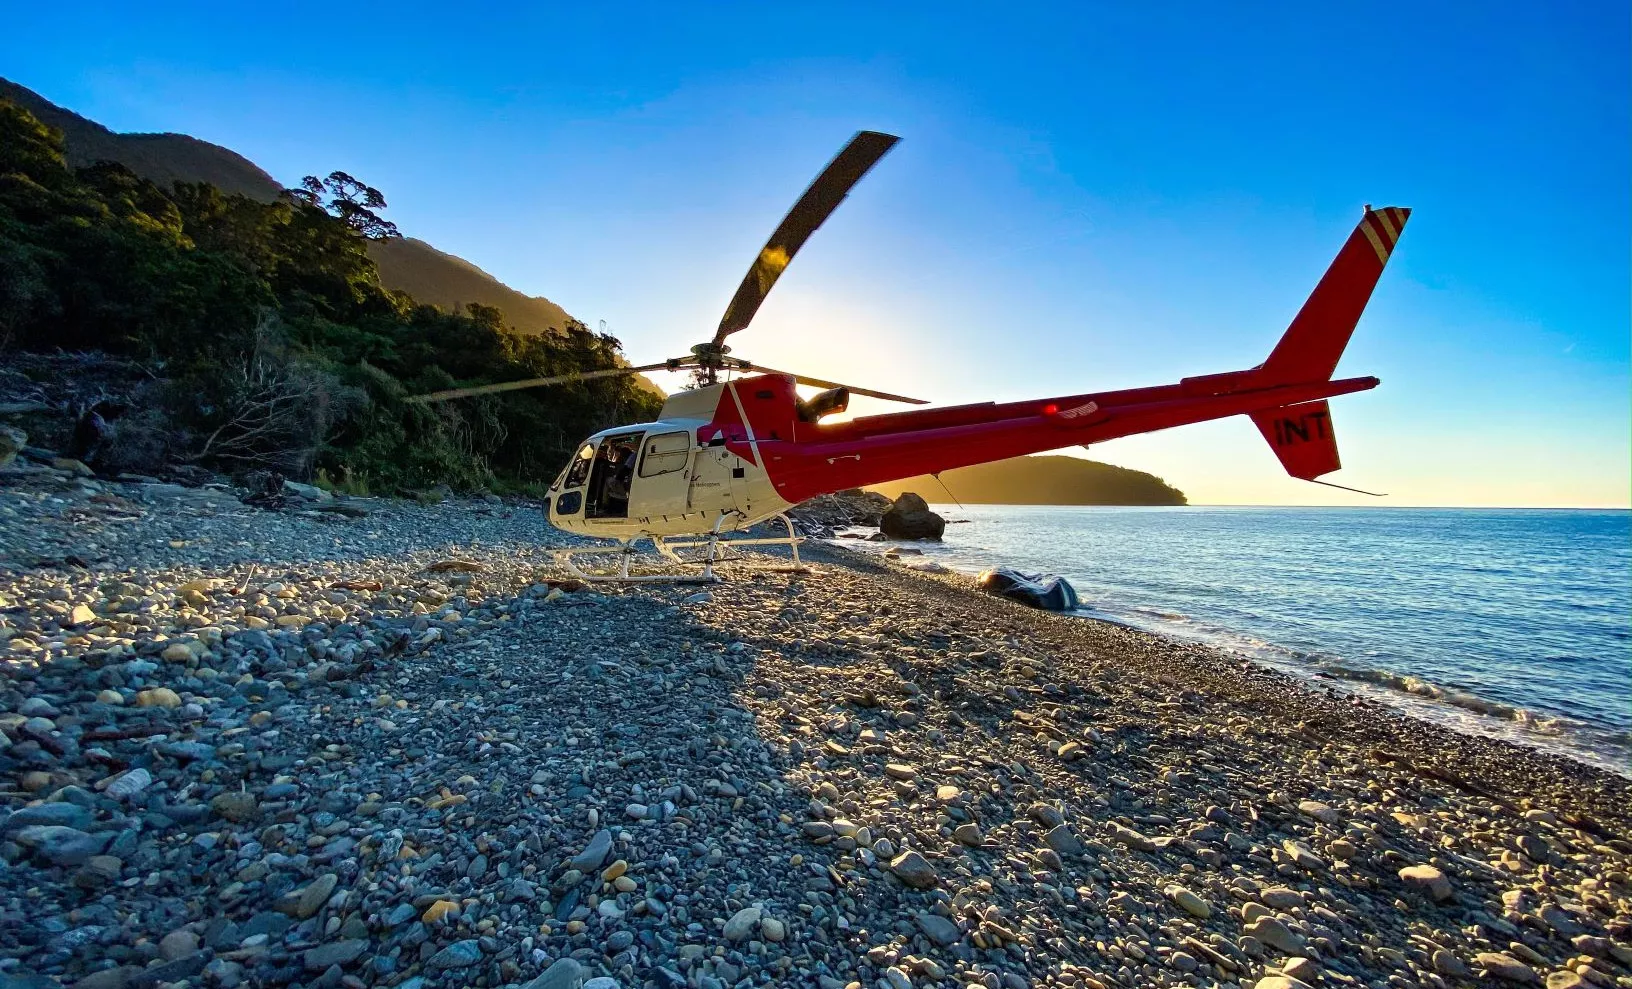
(1042, 481)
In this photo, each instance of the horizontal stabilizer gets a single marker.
(1301, 436)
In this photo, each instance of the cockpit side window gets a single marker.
(665, 453)
(578, 472)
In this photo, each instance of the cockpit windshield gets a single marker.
(578, 470)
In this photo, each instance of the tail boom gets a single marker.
(853, 458)
(1285, 397)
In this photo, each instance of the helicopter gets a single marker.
(726, 455)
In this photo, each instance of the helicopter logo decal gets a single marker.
(1080, 411)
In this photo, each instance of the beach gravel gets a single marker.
(396, 746)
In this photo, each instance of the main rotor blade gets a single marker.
(819, 383)
(813, 208)
(443, 396)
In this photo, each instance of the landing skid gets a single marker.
(712, 544)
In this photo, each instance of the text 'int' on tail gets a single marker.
(1302, 438)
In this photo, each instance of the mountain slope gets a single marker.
(1042, 481)
(429, 275)
(406, 265)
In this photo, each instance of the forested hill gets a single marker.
(150, 328)
(1043, 481)
(404, 264)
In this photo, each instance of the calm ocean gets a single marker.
(1516, 623)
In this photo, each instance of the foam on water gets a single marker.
(1504, 623)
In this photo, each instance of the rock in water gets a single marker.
(910, 518)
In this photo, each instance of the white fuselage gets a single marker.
(654, 479)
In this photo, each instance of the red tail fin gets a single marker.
(1302, 437)
(1311, 346)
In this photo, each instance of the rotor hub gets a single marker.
(711, 354)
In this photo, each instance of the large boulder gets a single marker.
(853, 506)
(910, 518)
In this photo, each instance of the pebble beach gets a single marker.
(380, 743)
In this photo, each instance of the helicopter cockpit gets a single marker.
(600, 477)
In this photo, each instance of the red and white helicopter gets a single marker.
(727, 455)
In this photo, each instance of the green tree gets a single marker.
(280, 347)
(354, 203)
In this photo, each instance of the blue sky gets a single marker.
(1086, 196)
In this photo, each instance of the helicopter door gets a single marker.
(664, 478)
(611, 480)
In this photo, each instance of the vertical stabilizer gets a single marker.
(1302, 438)
(1312, 344)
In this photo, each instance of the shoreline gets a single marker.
(1220, 662)
(1537, 723)
(432, 768)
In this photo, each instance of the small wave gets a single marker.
(1419, 687)
(1521, 720)
(1285, 657)
(1158, 613)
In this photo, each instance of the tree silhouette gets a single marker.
(352, 201)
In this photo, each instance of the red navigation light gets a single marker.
(1050, 409)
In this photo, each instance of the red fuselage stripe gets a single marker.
(876, 449)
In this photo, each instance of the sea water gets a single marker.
(1511, 623)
